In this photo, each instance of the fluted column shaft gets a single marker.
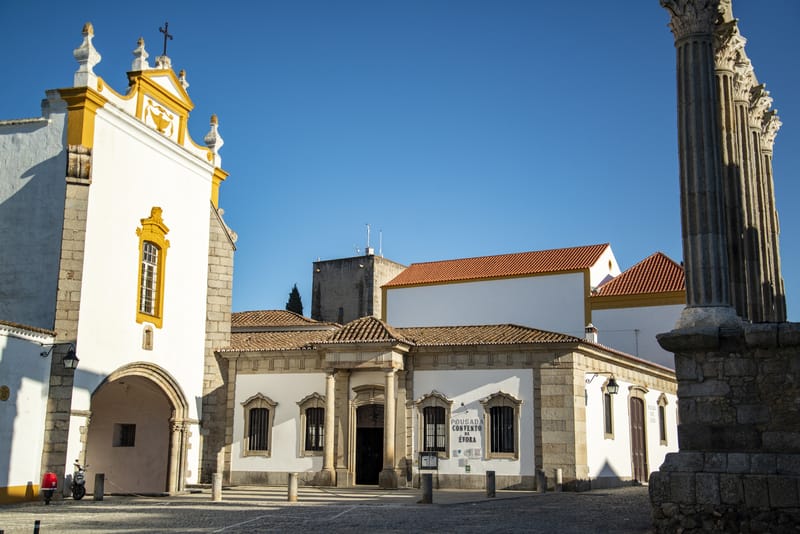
(704, 240)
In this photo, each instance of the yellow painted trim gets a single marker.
(12, 494)
(641, 300)
(153, 230)
(218, 177)
(142, 85)
(82, 106)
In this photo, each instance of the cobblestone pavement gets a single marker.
(265, 509)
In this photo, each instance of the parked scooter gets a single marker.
(79, 481)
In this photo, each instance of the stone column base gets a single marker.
(387, 479)
(325, 477)
(343, 478)
(697, 492)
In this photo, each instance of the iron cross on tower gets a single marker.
(165, 31)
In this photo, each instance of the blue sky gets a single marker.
(454, 128)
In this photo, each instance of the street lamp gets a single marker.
(70, 361)
(612, 387)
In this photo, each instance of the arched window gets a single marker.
(662, 419)
(312, 425)
(608, 411)
(433, 411)
(501, 412)
(259, 413)
(152, 264)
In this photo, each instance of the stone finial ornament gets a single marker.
(182, 79)
(87, 58)
(688, 17)
(212, 139)
(163, 62)
(140, 55)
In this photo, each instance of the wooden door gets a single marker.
(638, 440)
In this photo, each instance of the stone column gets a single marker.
(328, 466)
(341, 426)
(175, 455)
(770, 127)
(388, 477)
(704, 242)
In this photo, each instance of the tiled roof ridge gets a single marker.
(367, 329)
(497, 334)
(500, 265)
(657, 273)
(237, 318)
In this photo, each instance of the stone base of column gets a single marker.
(343, 478)
(325, 477)
(726, 492)
(705, 316)
(388, 479)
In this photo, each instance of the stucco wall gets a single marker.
(553, 302)
(466, 388)
(633, 330)
(26, 375)
(32, 171)
(611, 457)
(286, 390)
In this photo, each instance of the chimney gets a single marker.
(591, 333)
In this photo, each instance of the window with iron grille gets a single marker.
(259, 414)
(502, 414)
(434, 429)
(608, 414)
(149, 277)
(153, 246)
(258, 440)
(124, 435)
(315, 429)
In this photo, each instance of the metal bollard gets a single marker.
(36, 524)
(99, 486)
(292, 487)
(559, 479)
(426, 483)
(216, 487)
(541, 481)
(490, 485)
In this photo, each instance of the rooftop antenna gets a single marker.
(369, 251)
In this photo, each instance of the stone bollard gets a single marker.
(99, 486)
(541, 481)
(216, 487)
(292, 497)
(426, 483)
(559, 479)
(490, 484)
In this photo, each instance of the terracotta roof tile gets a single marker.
(366, 330)
(28, 327)
(504, 265)
(502, 334)
(654, 274)
(273, 341)
(269, 318)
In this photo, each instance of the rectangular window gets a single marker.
(502, 431)
(434, 429)
(607, 415)
(662, 425)
(259, 430)
(147, 296)
(315, 429)
(124, 435)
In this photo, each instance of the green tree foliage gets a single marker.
(295, 304)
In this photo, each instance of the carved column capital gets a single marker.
(744, 79)
(728, 45)
(769, 129)
(760, 102)
(691, 17)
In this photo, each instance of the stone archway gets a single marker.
(138, 431)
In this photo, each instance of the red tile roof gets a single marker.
(269, 318)
(501, 334)
(274, 341)
(366, 330)
(501, 266)
(654, 274)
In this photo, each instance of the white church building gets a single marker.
(115, 257)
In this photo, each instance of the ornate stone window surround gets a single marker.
(662, 419)
(153, 246)
(315, 400)
(258, 401)
(608, 410)
(500, 400)
(434, 399)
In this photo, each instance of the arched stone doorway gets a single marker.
(137, 434)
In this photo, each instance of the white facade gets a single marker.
(633, 330)
(552, 302)
(24, 383)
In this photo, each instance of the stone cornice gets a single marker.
(691, 17)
